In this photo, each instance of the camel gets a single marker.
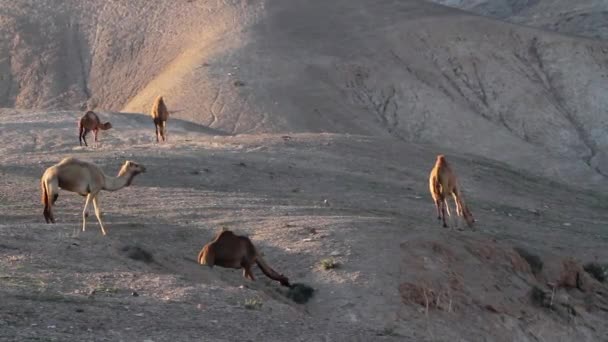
(90, 122)
(442, 183)
(86, 179)
(160, 114)
(233, 251)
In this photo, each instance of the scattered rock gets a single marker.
(491, 308)
(134, 294)
(141, 314)
(597, 271)
(335, 253)
(238, 83)
(536, 264)
(567, 224)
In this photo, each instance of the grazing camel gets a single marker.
(90, 122)
(234, 251)
(86, 179)
(160, 114)
(442, 183)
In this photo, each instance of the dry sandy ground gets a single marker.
(310, 126)
(378, 223)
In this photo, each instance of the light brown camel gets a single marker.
(86, 179)
(234, 251)
(160, 114)
(443, 183)
(90, 122)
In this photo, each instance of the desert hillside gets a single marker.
(409, 69)
(311, 127)
(584, 17)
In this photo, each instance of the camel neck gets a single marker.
(117, 183)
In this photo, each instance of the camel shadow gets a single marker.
(140, 120)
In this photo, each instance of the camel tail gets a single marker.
(48, 198)
(270, 273)
(206, 257)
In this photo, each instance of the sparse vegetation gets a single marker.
(597, 271)
(104, 290)
(253, 304)
(329, 263)
(536, 264)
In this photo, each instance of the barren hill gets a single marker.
(410, 69)
(311, 126)
(584, 17)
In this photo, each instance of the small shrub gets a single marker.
(253, 304)
(536, 265)
(328, 264)
(597, 271)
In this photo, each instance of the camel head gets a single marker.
(132, 169)
(106, 126)
(468, 216)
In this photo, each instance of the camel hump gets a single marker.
(225, 234)
(69, 160)
(91, 114)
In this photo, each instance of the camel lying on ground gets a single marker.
(90, 122)
(443, 183)
(86, 179)
(160, 114)
(234, 251)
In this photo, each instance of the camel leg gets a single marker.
(85, 212)
(438, 206)
(84, 136)
(156, 126)
(443, 210)
(165, 137)
(80, 131)
(95, 132)
(248, 274)
(98, 214)
(247, 271)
